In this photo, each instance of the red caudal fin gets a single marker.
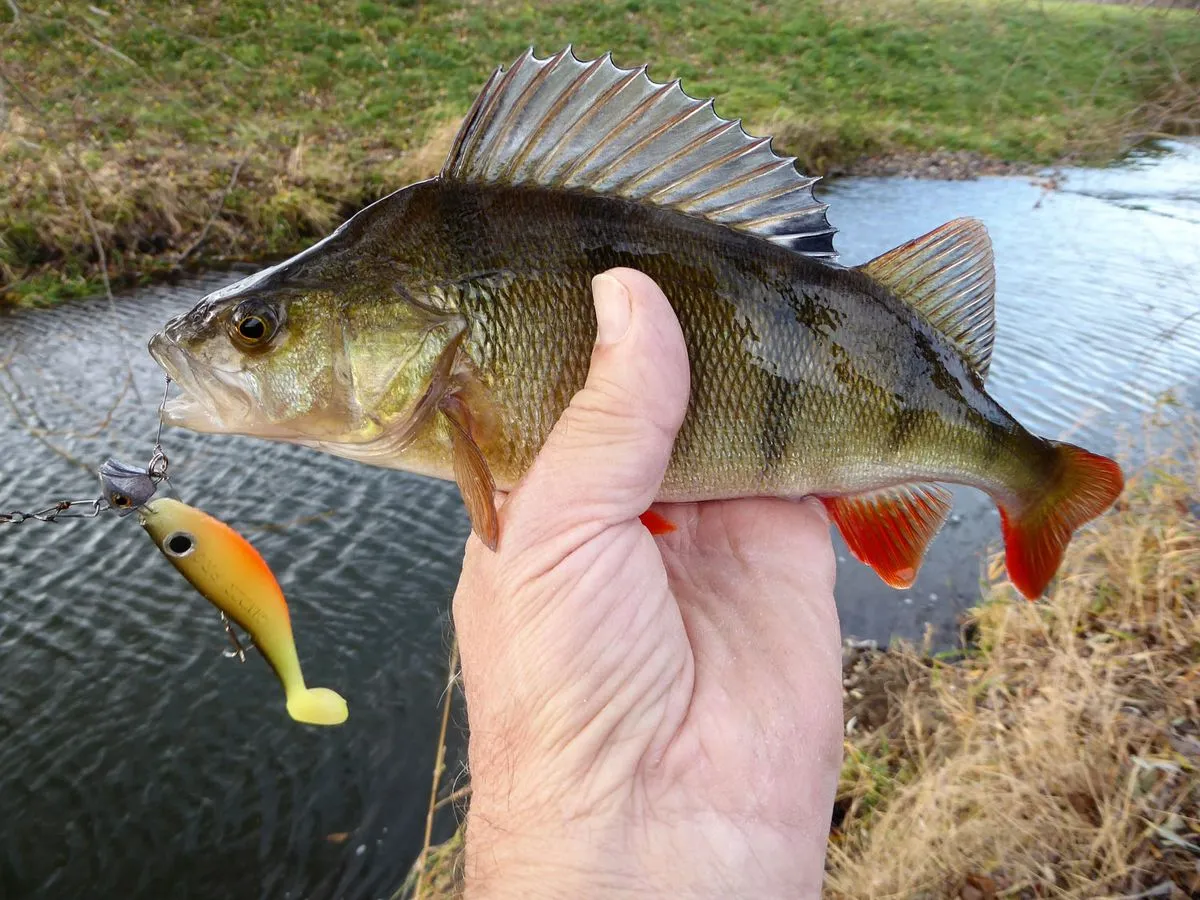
(656, 523)
(1036, 535)
(889, 529)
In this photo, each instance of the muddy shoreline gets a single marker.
(940, 165)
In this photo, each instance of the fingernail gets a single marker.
(612, 309)
(818, 508)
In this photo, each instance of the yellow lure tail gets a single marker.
(317, 706)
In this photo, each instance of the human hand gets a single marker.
(650, 716)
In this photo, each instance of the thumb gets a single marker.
(605, 458)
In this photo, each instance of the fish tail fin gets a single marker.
(1037, 532)
(317, 706)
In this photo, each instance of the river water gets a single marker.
(135, 761)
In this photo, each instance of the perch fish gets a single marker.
(230, 573)
(444, 328)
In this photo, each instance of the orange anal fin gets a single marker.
(656, 523)
(471, 471)
(890, 528)
(1036, 537)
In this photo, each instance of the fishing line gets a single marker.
(125, 489)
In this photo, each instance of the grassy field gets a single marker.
(1058, 755)
(148, 137)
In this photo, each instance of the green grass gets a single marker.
(138, 113)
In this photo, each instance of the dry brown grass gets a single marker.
(161, 207)
(1059, 756)
(438, 874)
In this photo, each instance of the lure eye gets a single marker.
(120, 501)
(253, 324)
(179, 544)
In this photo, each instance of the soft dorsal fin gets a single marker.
(950, 277)
(590, 126)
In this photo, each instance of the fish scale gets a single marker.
(807, 432)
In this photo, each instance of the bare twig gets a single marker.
(16, 89)
(36, 112)
(37, 435)
(998, 94)
(106, 421)
(97, 242)
(91, 39)
(99, 245)
(220, 205)
(439, 767)
(461, 794)
(112, 303)
(95, 430)
(16, 11)
(107, 48)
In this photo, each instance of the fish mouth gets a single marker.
(210, 400)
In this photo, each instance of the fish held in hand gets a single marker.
(444, 329)
(224, 567)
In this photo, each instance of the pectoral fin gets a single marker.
(471, 472)
(889, 529)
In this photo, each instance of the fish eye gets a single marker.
(179, 544)
(252, 328)
(253, 324)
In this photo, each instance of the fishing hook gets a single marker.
(238, 652)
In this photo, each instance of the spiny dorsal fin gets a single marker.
(588, 125)
(950, 277)
(890, 528)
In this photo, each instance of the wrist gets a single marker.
(689, 859)
(504, 865)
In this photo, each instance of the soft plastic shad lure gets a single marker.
(224, 567)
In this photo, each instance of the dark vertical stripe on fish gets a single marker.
(904, 426)
(775, 429)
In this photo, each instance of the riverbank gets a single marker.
(1056, 754)
(156, 138)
